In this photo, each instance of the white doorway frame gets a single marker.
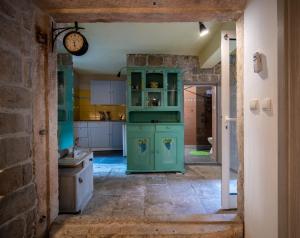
(228, 200)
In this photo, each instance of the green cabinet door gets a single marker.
(169, 154)
(166, 147)
(140, 153)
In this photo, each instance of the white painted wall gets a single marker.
(261, 130)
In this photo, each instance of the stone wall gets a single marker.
(189, 65)
(27, 198)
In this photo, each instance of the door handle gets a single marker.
(229, 119)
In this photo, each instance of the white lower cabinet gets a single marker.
(84, 142)
(81, 132)
(116, 135)
(76, 186)
(99, 135)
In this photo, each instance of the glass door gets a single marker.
(230, 162)
(154, 89)
(135, 96)
(172, 90)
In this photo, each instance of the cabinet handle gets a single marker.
(80, 180)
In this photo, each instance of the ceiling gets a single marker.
(109, 43)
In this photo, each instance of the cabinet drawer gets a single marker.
(140, 128)
(170, 128)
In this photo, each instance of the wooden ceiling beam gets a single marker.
(142, 10)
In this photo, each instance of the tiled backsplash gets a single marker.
(85, 111)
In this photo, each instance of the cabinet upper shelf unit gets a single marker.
(156, 90)
(154, 120)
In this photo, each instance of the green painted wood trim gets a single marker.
(65, 128)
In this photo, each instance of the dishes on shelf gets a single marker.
(154, 102)
(154, 84)
(104, 116)
(122, 116)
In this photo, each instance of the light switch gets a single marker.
(254, 104)
(266, 104)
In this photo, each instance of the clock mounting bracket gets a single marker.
(55, 32)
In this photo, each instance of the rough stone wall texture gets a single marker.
(190, 110)
(234, 161)
(204, 115)
(25, 65)
(189, 65)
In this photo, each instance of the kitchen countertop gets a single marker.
(73, 162)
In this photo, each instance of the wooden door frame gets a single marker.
(289, 118)
(219, 14)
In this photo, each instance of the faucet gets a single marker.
(75, 147)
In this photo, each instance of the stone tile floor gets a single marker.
(151, 196)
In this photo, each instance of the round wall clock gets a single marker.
(75, 43)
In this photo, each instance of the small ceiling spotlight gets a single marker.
(202, 29)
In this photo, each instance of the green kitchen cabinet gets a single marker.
(155, 147)
(155, 132)
(140, 152)
(65, 107)
(169, 148)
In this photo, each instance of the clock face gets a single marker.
(75, 43)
